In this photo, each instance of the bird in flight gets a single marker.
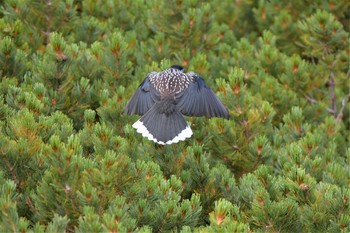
(163, 97)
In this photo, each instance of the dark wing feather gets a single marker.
(199, 100)
(143, 99)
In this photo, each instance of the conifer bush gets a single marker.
(71, 162)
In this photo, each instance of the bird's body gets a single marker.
(163, 97)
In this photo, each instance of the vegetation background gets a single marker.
(71, 162)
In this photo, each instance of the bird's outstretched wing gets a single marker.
(143, 99)
(199, 100)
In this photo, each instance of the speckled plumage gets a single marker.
(170, 82)
(161, 99)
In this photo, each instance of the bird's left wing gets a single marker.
(199, 100)
(143, 99)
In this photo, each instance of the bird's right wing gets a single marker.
(199, 100)
(143, 99)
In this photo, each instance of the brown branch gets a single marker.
(313, 101)
(331, 83)
(343, 103)
(338, 115)
(12, 172)
(48, 18)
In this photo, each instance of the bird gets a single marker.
(164, 97)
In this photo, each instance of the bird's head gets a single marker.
(177, 67)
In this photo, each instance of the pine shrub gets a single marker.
(71, 162)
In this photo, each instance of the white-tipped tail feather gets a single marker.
(186, 133)
(140, 128)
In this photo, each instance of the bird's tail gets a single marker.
(163, 127)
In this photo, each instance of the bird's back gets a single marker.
(170, 82)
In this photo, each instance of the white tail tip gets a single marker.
(140, 128)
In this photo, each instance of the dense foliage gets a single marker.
(70, 160)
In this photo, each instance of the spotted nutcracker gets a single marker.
(163, 97)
